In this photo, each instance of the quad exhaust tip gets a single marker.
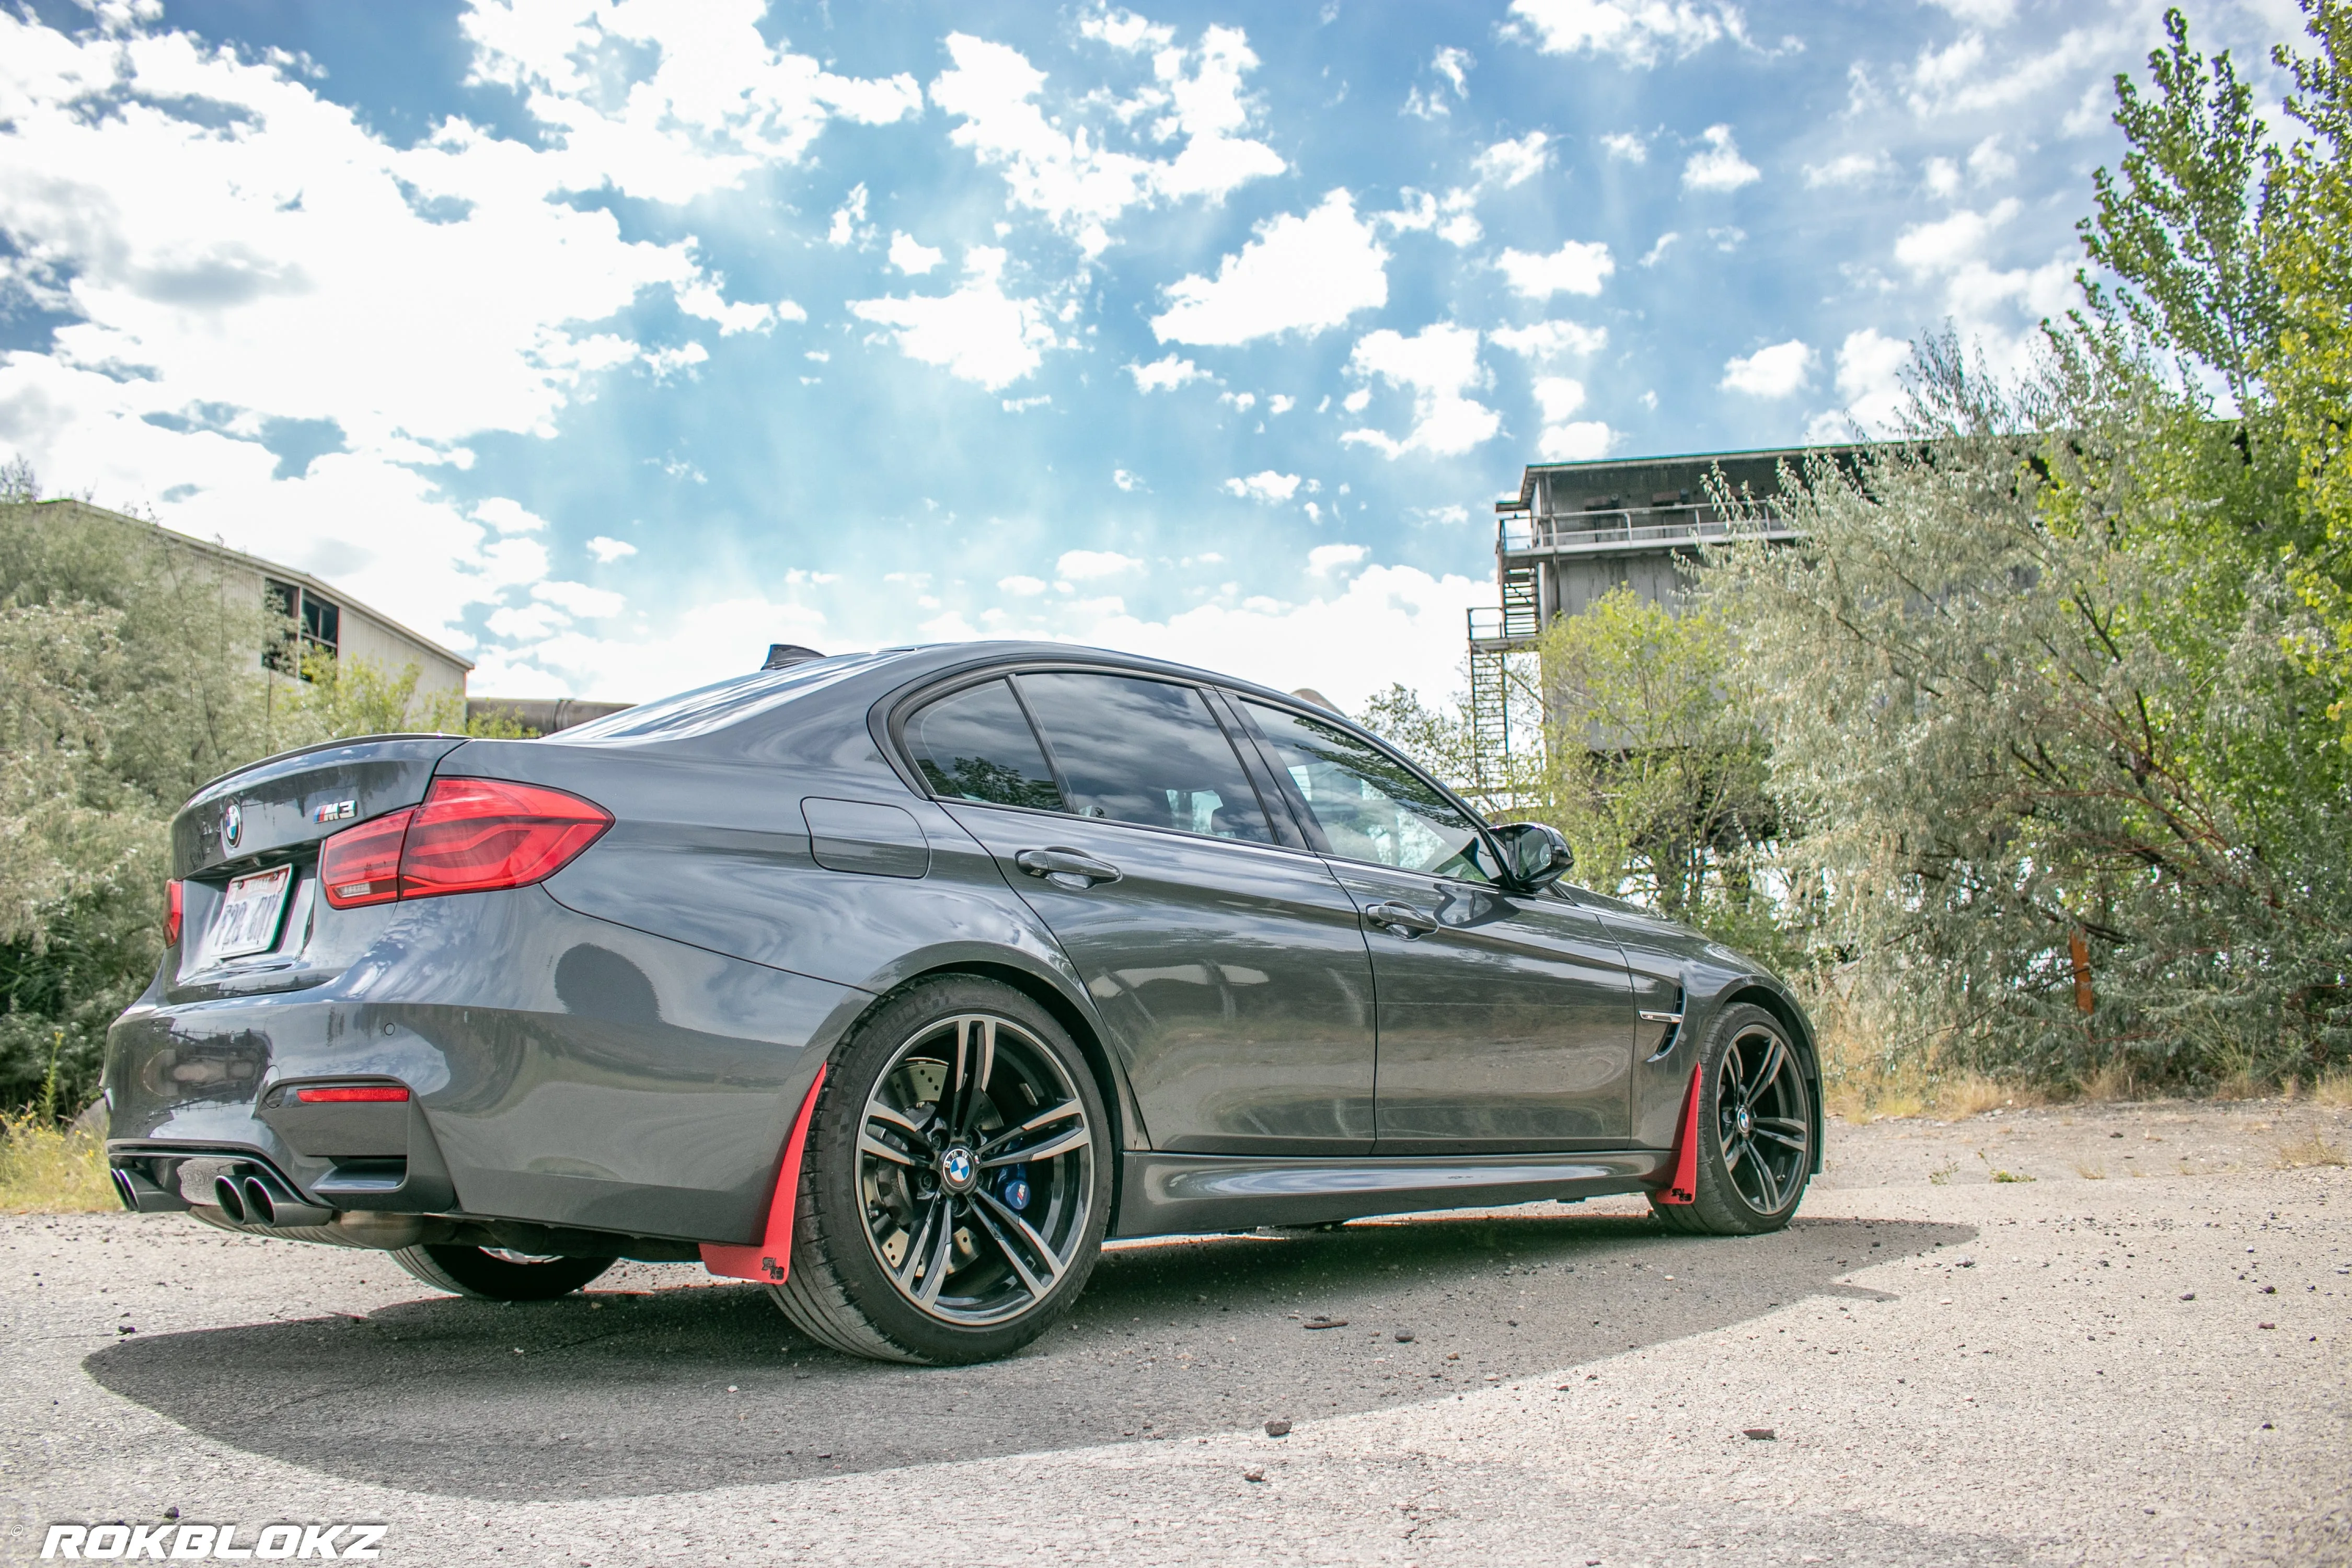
(124, 1190)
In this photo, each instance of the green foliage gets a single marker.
(1654, 768)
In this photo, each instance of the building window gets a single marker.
(310, 626)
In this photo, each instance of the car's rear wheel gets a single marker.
(1756, 1129)
(956, 1180)
(498, 1273)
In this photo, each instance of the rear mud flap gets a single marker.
(771, 1262)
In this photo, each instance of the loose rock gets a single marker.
(1279, 1427)
(1760, 1433)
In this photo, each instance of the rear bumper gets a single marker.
(563, 1070)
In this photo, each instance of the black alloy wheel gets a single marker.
(1756, 1128)
(962, 1135)
(497, 1274)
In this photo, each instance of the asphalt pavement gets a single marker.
(2090, 1335)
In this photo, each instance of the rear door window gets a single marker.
(976, 744)
(1149, 752)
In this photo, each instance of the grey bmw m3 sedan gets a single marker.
(897, 982)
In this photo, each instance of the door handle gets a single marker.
(1400, 920)
(1069, 867)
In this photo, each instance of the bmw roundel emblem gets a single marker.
(231, 825)
(958, 1167)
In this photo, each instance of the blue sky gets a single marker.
(610, 342)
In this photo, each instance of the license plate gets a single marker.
(248, 922)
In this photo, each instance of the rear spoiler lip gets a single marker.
(279, 800)
(260, 763)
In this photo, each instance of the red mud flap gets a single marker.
(771, 1260)
(1684, 1188)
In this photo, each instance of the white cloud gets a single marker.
(716, 638)
(1358, 401)
(1981, 13)
(1626, 146)
(979, 333)
(1324, 558)
(1264, 485)
(1126, 31)
(1440, 366)
(1966, 76)
(849, 218)
(1454, 65)
(243, 251)
(1719, 167)
(1657, 253)
(1450, 217)
(1066, 172)
(509, 516)
(607, 550)
(1241, 402)
(1086, 566)
(1849, 169)
(1564, 438)
(1280, 403)
(1576, 268)
(579, 599)
(1577, 441)
(1166, 375)
(1303, 274)
(1551, 339)
(1509, 164)
(1774, 372)
(1870, 368)
(911, 256)
(1636, 31)
(1557, 396)
(525, 623)
(1989, 162)
(1026, 587)
(1125, 481)
(1413, 619)
(1950, 243)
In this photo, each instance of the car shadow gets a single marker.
(685, 1389)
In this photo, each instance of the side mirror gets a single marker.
(1534, 856)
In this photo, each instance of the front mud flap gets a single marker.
(771, 1262)
(1683, 1187)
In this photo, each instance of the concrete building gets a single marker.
(1577, 531)
(324, 618)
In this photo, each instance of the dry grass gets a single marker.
(2335, 1090)
(2308, 1150)
(49, 1169)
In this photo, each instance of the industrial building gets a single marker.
(1577, 531)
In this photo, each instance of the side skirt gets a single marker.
(1175, 1195)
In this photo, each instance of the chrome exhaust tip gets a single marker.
(123, 1190)
(231, 1201)
(260, 1203)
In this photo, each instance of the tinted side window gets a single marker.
(1144, 751)
(1370, 806)
(976, 744)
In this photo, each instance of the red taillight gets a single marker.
(349, 1093)
(474, 835)
(175, 906)
(362, 864)
(470, 836)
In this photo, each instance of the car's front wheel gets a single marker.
(498, 1273)
(956, 1180)
(1755, 1126)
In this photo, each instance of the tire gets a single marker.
(498, 1276)
(1756, 1131)
(949, 1216)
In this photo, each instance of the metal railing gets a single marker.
(1668, 526)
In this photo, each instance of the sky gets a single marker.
(607, 342)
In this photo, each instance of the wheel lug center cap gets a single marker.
(1745, 1120)
(959, 1169)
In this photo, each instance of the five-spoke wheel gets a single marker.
(1756, 1129)
(961, 1134)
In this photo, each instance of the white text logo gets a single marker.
(188, 1542)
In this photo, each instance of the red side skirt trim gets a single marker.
(1684, 1187)
(771, 1262)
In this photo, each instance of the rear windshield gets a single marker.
(721, 703)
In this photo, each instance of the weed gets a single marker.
(2090, 1173)
(2334, 1089)
(49, 1169)
(2011, 1176)
(2311, 1150)
(1943, 1177)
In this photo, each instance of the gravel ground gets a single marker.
(2090, 1335)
